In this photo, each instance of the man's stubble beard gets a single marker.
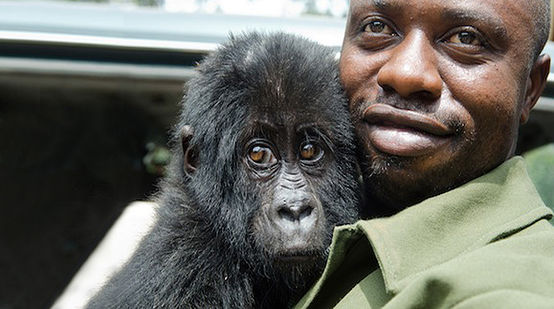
(389, 194)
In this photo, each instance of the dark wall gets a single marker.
(71, 153)
(538, 131)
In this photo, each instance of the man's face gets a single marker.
(437, 90)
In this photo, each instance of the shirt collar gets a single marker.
(440, 228)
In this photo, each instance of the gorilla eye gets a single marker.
(378, 27)
(310, 152)
(261, 155)
(465, 37)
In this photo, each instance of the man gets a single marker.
(438, 89)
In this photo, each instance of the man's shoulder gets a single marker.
(520, 259)
(520, 265)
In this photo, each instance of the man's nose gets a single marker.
(412, 68)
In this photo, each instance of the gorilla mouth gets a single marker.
(304, 257)
(296, 259)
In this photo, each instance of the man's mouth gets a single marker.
(403, 132)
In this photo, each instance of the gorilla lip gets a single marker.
(294, 259)
(297, 257)
(403, 132)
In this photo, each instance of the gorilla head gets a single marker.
(264, 168)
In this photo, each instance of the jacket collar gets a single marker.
(440, 228)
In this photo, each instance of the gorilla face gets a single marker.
(278, 161)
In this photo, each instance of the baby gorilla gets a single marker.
(264, 168)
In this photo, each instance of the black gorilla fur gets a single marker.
(205, 251)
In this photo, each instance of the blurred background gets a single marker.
(89, 92)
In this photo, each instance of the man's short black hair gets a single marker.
(541, 15)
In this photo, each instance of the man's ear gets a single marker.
(190, 157)
(535, 85)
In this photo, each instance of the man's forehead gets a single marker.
(467, 5)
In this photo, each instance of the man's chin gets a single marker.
(378, 164)
(396, 182)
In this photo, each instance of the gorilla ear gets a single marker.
(535, 85)
(190, 158)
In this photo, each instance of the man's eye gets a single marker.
(310, 152)
(466, 38)
(378, 27)
(261, 155)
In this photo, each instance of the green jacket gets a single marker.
(486, 244)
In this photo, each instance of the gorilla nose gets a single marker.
(296, 212)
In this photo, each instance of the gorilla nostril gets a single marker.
(305, 213)
(285, 213)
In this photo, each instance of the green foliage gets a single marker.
(157, 159)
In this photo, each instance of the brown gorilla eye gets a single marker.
(261, 155)
(310, 152)
(307, 152)
(257, 154)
